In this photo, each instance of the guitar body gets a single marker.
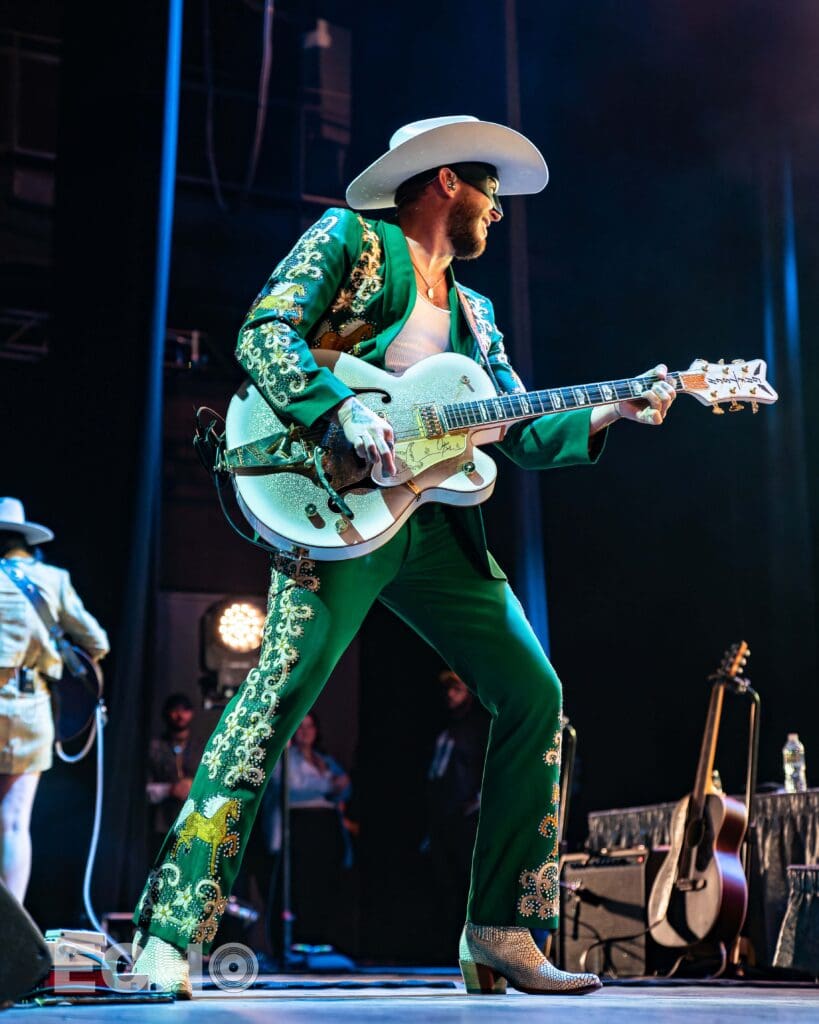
(74, 697)
(710, 902)
(290, 509)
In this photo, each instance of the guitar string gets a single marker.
(473, 406)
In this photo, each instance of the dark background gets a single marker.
(680, 221)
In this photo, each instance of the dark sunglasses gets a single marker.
(483, 177)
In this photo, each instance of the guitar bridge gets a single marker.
(429, 420)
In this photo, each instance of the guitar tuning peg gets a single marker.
(726, 371)
(745, 369)
(715, 409)
(737, 362)
(735, 406)
(754, 407)
(721, 362)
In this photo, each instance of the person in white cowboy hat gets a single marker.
(28, 658)
(384, 290)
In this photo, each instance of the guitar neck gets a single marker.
(703, 782)
(512, 407)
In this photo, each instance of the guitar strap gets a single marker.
(478, 335)
(38, 602)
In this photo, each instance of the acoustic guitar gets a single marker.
(304, 490)
(700, 893)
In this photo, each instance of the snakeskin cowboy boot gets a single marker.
(490, 957)
(165, 966)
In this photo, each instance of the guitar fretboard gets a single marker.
(526, 405)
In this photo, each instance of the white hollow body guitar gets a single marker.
(441, 410)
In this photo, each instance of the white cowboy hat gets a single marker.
(437, 141)
(13, 518)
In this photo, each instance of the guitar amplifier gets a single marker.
(603, 913)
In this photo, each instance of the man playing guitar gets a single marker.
(386, 293)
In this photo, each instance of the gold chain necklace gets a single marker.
(430, 287)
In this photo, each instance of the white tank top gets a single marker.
(425, 333)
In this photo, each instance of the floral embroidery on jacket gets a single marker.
(267, 355)
(302, 260)
(488, 336)
(364, 281)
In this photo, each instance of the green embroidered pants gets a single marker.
(479, 628)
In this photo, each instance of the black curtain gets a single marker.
(100, 415)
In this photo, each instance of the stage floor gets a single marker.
(447, 1002)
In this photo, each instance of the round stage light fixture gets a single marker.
(231, 632)
(240, 626)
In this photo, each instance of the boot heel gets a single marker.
(482, 980)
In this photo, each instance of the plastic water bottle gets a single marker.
(793, 761)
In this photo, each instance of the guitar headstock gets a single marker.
(734, 661)
(732, 384)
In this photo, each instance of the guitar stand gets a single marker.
(743, 687)
(704, 952)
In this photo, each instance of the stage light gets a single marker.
(231, 631)
(240, 626)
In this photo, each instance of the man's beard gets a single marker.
(464, 229)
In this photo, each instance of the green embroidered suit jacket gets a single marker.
(348, 284)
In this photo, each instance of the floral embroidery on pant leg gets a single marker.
(236, 750)
(193, 911)
(552, 755)
(213, 907)
(236, 753)
(155, 904)
(541, 886)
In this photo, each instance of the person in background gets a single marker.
(320, 843)
(320, 835)
(28, 660)
(453, 800)
(172, 761)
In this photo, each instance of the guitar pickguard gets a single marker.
(423, 453)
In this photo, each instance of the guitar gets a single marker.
(700, 892)
(305, 491)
